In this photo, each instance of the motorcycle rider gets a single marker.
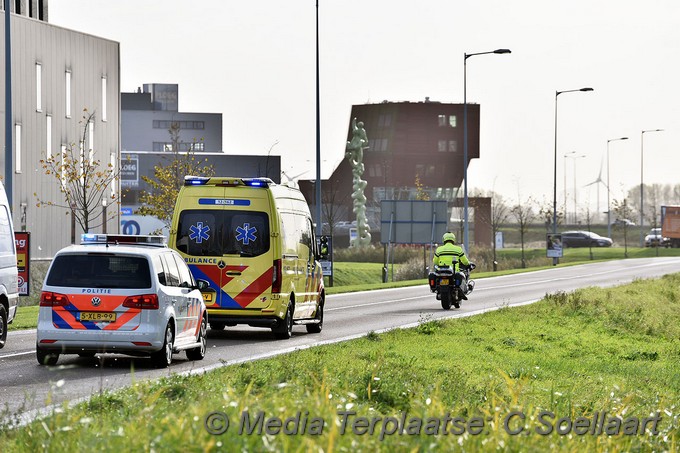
(452, 255)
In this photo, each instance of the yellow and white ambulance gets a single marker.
(253, 241)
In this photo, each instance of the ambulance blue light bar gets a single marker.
(126, 239)
(227, 181)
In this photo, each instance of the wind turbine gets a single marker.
(598, 181)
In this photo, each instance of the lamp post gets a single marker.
(465, 144)
(554, 220)
(319, 221)
(569, 154)
(642, 196)
(609, 223)
(565, 169)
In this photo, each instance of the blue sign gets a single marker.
(223, 202)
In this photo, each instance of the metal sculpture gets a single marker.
(355, 154)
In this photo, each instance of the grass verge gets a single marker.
(595, 354)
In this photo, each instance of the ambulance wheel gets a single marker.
(163, 357)
(45, 357)
(199, 352)
(285, 329)
(316, 328)
(86, 355)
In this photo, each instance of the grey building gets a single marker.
(148, 114)
(56, 74)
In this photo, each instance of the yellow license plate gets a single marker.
(207, 297)
(444, 281)
(97, 316)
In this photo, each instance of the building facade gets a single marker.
(415, 151)
(148, 115)
(58, 77)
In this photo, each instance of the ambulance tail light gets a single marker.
(277, 276)
(143, 302)
(50, 299)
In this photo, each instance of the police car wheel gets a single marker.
(3, 326)
(316, 328)
(199, 352)
(45, 357)
(163, 357)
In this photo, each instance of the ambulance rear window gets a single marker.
(223, 232)
(99, 270)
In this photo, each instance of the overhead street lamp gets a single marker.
(642, 196)
(554, 220)
(609, 208)
(465, 144)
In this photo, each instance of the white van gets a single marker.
(9, 288)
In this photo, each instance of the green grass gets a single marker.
(612, 350)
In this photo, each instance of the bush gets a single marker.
(411, 270)
(376, 254)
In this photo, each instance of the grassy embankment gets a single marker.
(576, 355)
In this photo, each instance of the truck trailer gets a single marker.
(670, 224)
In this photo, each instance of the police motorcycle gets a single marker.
(451, 287)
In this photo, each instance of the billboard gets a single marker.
(412, 221)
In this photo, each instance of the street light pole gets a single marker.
(609, 208)
(465, 144)
(319, 220)
(554, 219)
(642, 196)
(565, 182)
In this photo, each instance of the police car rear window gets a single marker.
(100, 271)
(228, 232)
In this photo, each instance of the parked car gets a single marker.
(584, 239)
(622, 223)
(121, 294)
(656, 239)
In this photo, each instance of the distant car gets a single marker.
(655, 239)
(584, 239)
(622, 223)
(121, 294)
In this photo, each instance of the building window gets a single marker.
(113, 172)
(181, 147)
(441, 120)
(68, 94)
(453, 146)
(38, 87)
(103, 98)
(441, 146)
(183, 125)
(452, 120)
(48, 140)
(385, 120)
(90, 142)
(17, 148)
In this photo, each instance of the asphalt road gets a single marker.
(27, 388)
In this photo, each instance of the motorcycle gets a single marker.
(451, 287)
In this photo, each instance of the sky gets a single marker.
(254, 62)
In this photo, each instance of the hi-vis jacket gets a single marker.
(448, 254)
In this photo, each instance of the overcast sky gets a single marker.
(254, 62)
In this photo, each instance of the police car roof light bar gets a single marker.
(127, 239)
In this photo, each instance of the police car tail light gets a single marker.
(276, 276)
(50, 299)
(143, 302)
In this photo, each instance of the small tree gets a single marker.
(82, 179)
(168, 179)
(623, 211)
(546, 214)
(499, 215)
(524, 213)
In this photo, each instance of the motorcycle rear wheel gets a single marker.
(446, 300)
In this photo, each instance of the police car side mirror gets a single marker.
(202, 284)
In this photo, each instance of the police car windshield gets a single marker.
(227, 232)
(100, 271)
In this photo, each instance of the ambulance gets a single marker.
(253, 241)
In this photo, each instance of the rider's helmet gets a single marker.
(449, 236)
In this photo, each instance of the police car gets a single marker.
(121, 294)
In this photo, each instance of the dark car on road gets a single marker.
(584, 239)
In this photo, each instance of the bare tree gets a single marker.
(524, 214)
(83, 180)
